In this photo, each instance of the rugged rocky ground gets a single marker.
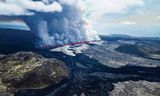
(121, 53)
(28, 70)
(136, 88)
(99, 70)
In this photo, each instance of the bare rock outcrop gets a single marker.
(28, 70)
(136, 88)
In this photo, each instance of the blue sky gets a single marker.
(130, 17)
(136, 19)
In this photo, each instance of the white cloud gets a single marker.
(39, 6)
(158, 17)
(128, 22)
(22, 7)
(10, 9)
(97, 8)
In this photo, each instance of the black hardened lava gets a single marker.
(86, 75)
(81, 80)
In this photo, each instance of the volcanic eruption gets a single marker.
(54, 22)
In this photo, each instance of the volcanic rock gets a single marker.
(136, 88)
(28, 70)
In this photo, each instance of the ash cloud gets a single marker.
(54, 22)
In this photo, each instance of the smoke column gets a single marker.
(57, 22)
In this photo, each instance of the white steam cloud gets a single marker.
(25, 7)
(55, 22)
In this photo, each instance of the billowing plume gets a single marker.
(27, 7)
(54, 22)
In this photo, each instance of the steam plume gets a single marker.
(55, 22)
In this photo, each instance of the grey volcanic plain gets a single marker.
(116, 66)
